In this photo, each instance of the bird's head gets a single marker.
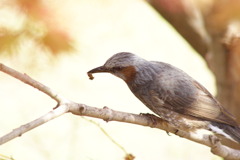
(122, 65)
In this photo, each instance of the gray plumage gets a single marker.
(172, 94)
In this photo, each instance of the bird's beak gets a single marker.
(97, 70)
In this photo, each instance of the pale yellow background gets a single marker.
(101, 28)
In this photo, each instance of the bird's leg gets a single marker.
(168, 133)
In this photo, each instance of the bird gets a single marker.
(172, 95)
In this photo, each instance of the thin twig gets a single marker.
(107, 135)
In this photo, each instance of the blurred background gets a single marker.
(56, 42)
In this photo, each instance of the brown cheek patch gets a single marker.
(129, 73)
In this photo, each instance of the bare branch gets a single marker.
(67, 106)
(26, 79)
(155, 122)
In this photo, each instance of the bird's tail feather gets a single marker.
(230, 132)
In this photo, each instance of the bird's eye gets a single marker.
(117, 68)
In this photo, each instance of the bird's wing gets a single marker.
(200, 104)
(223, 116)
(181, 93)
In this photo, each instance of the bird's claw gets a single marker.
(152, 117)
(168, 133)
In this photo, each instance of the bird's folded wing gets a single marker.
(202, 105)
